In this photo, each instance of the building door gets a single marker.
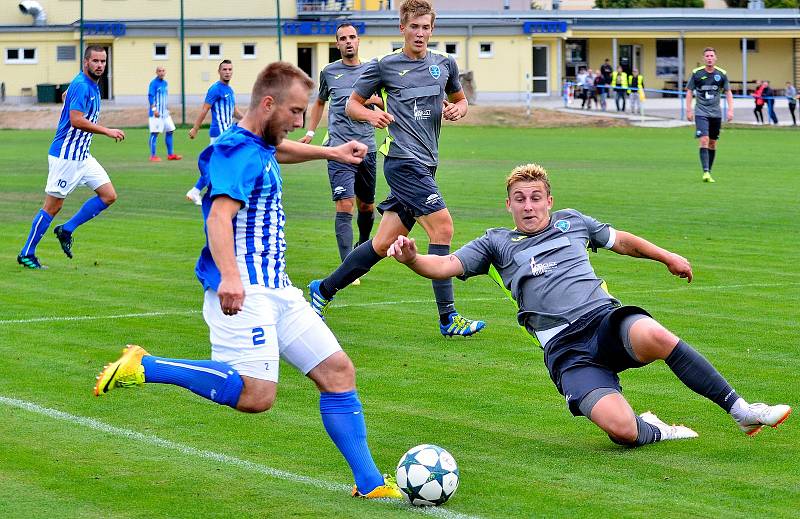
(305, 60)
(630, 57)
(105, 83)
(541, 70)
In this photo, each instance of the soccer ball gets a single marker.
(427, 475)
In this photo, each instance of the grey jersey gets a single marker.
(708, 88)
(413, 91)
(335, 85)
(548, 273)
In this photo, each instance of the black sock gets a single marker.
(711, 155)
(704, 159)
(700, 376)
(365, 221)
(344, 233)
(646, 433)
(355, 265)
(443, 288)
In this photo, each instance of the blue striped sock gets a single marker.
(168, 140)
(88, 210)
(39, 226)
(215, 381)
(153, 141)
(343, 419)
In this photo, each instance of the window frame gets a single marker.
(157, 56)
(254, 55)
(216, 56)
(21, 59)
(195, 56)
(486, 54)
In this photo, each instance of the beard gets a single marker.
(271, 133)
(93, 75)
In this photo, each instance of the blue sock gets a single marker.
(153, 140)
(88, 210)
(201, 183)
(343, 419)
(168, 140)
(39, 226)
(215, 381)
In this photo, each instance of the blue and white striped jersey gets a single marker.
(222, 100)
(71, 143)
(241, 166)
(157, 96)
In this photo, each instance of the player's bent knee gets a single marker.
(335, 374)
(258, 395)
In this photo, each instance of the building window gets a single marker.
(667, 62)
(396, 45)
(577, 56)
(214, 50)
(195, 50)
(752, 45)
(66, 53)
(451, 48)
(21, 55)
(159, 51)
(248, 51)
(485, 49)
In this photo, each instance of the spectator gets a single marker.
(579, 82)
(637, 82)
(601, 87)
(590, 91)
(769, 96)
(759, 98)
(619, 82)
(605, 71)
(791, 96)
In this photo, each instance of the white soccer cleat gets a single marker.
(759, 415)
(668, 432)
(193, 195)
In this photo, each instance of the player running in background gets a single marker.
(254, 314)
(419, 86)
(71, 164)
(351, 184)
(160, 121)
(221, 100)
(587, 337)
(706, 84)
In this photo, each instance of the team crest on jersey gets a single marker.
(562, 225)
(717, 77)
(435, 71)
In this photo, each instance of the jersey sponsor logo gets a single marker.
(403, 72)
(538, 269)
(433, 198)
(421, 115)
(519, 238)
(562, 225)
(337, 76)
(717, 77)
(435, 71)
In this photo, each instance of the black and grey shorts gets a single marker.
(412, 190)
(707, 126)
(349, 180)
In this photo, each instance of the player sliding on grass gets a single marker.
(254, 314)
(586, 335)
(420, 87)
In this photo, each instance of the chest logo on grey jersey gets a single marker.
(403, 72)
(435, 71)
(538, 269)
(421, 114)
(562, 225)
(337, 76)
(717, 77)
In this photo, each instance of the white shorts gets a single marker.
(273, 323)
(65, 175)
(161, 124)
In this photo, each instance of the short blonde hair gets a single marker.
(275, 79)
(528, 173)
(414, 9)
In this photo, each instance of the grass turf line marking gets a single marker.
(378, 303)
(232, 461)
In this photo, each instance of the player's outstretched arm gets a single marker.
(200, 117)
(292, 152)
(313, 120)
(220, 242)
(629, 244)
(456, 107)
(404, 250)
(77, 120)
(355, 109)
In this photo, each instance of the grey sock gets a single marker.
(443, 288)
(647, 433)
(344, 233)
(355, 265)
(711, 155)
(704, 159)
(700, 376)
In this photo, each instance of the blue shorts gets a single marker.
(412, 190)
(349, 180)
(707, 126)
(589, 354)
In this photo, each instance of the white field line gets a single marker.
(216, 457)
(382, 303)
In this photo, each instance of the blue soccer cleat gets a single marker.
(318, 302)
(65, 239)
(30, 262)
(460, 325)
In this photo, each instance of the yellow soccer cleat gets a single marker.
(389, 490)
(127, 371)
(708, 178)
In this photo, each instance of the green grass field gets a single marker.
(163, 452)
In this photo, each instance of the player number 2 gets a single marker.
(258, 336)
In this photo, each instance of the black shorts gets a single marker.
(589, 354)
(349, 180)
(412, 190)
(707, 126)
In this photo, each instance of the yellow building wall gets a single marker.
(61, 12)
(47, 70)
